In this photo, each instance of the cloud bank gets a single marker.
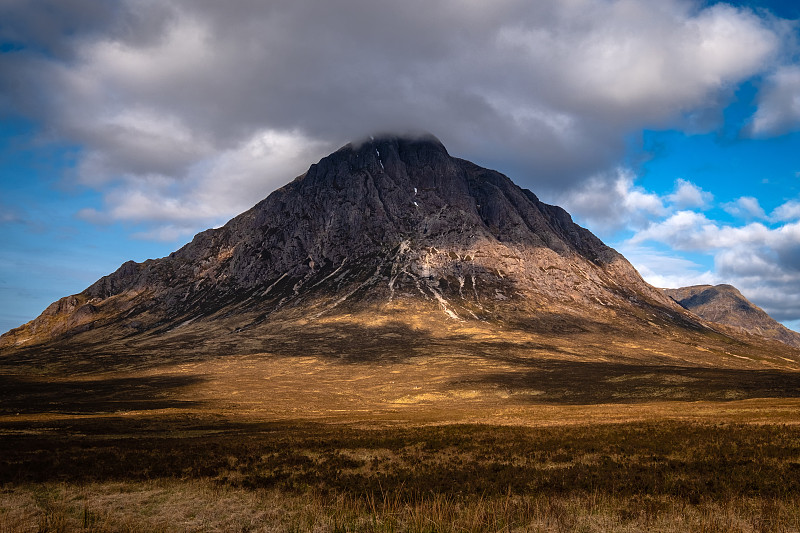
(187, 111)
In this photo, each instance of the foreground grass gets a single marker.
(202, 505)
(169, 474)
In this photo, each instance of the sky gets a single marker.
(669, 128)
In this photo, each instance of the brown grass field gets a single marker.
(391, 427)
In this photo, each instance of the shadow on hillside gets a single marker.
(31, 394)
(347, 342)
(349, 339)
(397, 341)
(568, 382)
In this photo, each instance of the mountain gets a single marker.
(724, 304)
(380, 245)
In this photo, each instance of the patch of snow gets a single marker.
(415, 191)
(451, 314)
(416, 204)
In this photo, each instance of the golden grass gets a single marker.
(204, 506)
(184, 474)
(359, 424)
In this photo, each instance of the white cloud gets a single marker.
(655, 57)
(211, 191)
(762, 262)
(665, 269)
(749, 263)
(165, 232)
(687, 194)
(610, 201)
(684, 230)
(786, 212)
(745, 207)
(139, 143)
(779, 104)
(692, 231)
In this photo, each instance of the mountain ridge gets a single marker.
(391, 230)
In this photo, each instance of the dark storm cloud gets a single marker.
(46, 25)
(550, 88)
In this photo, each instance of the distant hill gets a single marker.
(724, 304)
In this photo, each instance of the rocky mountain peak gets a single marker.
(382, 224)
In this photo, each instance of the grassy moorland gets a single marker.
(178, 474)
(510, 432)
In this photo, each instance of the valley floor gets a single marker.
(489, 435)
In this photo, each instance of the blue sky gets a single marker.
(670, 128)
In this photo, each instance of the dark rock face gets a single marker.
(384, 223)
(724, 304)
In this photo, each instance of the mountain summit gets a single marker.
(387, 224)
(384, 249)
